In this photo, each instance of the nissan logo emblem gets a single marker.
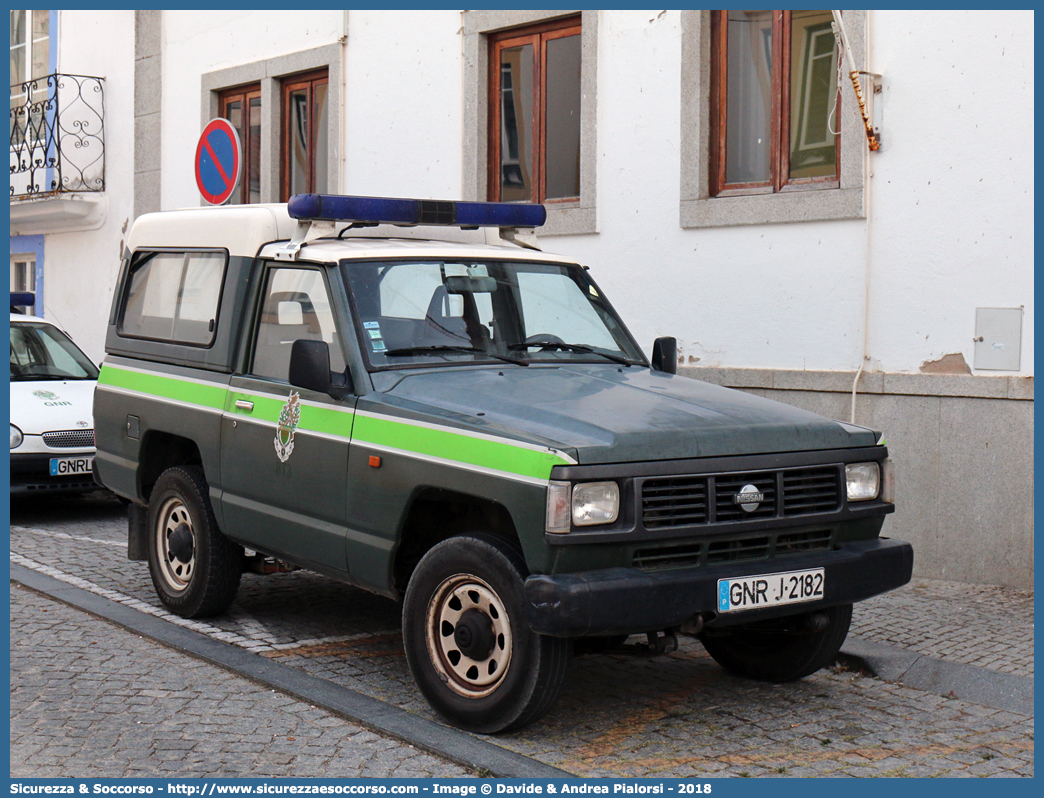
(748, 498)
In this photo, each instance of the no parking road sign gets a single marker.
(217, 161)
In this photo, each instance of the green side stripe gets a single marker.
(165, 387)
(451, 446)
(381, 431)
(313, 419)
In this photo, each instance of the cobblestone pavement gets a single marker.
(675, 715)
(983, 625)
(91, 700)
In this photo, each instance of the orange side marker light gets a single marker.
(375, 461)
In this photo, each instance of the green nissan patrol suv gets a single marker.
(409, 396)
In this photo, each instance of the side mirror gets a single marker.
(665, 355)
(310, 369)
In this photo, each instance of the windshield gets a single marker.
(432, 312)
(43, 352)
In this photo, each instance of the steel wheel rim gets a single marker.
(176, 573)
(472, 678)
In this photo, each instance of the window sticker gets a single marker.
(372, 325)
(378, 346)
(374, 334)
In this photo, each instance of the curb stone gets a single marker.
(950, 679)
(452, 744)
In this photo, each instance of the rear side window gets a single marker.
(173, 296)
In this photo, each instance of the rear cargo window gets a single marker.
(173, 296)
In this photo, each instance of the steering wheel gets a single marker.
(543, 338)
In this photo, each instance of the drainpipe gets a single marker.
(873, 144)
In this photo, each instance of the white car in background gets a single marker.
(52, 394)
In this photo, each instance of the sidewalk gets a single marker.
(90, 698)
(982, 625)
(82, 706)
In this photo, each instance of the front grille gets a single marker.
(735, 549)
(69, 439)
(810, 490)
(727, 486)
(687, 556)
(674, 502)
(686, 500)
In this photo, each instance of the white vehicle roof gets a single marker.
(22, 317)
(250, 230)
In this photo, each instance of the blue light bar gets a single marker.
(23, 299)
(388, 210)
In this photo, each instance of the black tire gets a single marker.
(195, 568)
(780, 655)
(467, 593)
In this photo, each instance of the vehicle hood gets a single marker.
(606, 414)
(39, 406)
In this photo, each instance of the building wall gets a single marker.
(81, 264)
(963, 453)
(948, 226)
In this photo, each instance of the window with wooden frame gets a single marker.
(242, 107)
(305, 134)
(775, 102)
(534, 110)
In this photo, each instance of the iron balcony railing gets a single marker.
(57, 136)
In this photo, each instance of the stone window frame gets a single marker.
(270, 74)
(573, 219)
(698, 208)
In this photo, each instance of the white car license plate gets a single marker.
(770, 590)
(71, 466)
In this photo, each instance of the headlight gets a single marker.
(16, 437)
(595, 503)
(864, 481)
(586, 504)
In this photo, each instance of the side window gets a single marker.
(296, 305)
(242, 107)
(535, 137)
(775, 105)
(304, 146)
(173, 296)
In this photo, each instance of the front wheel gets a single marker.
(195, 568)
(467, 641)
(783, 651)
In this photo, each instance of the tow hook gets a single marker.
(657, 644)
(259, 564)
(814, 622)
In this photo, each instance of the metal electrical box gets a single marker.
(998, 338)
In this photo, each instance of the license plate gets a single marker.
(70, 466)
(770, 590)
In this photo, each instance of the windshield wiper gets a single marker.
(436, 348)
(579, 348)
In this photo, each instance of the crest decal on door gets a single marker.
(289, 418)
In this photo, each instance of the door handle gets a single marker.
(243, 404)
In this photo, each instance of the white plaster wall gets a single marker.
(953, 185)
(403, 125)
(80, 268)
(195, 42)
(952, 208)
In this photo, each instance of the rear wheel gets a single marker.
(783, 650)
(467, 641)
(195, 568)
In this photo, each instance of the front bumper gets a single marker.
(617, 601)
(31, 474)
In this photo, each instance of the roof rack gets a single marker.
(316, 212)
